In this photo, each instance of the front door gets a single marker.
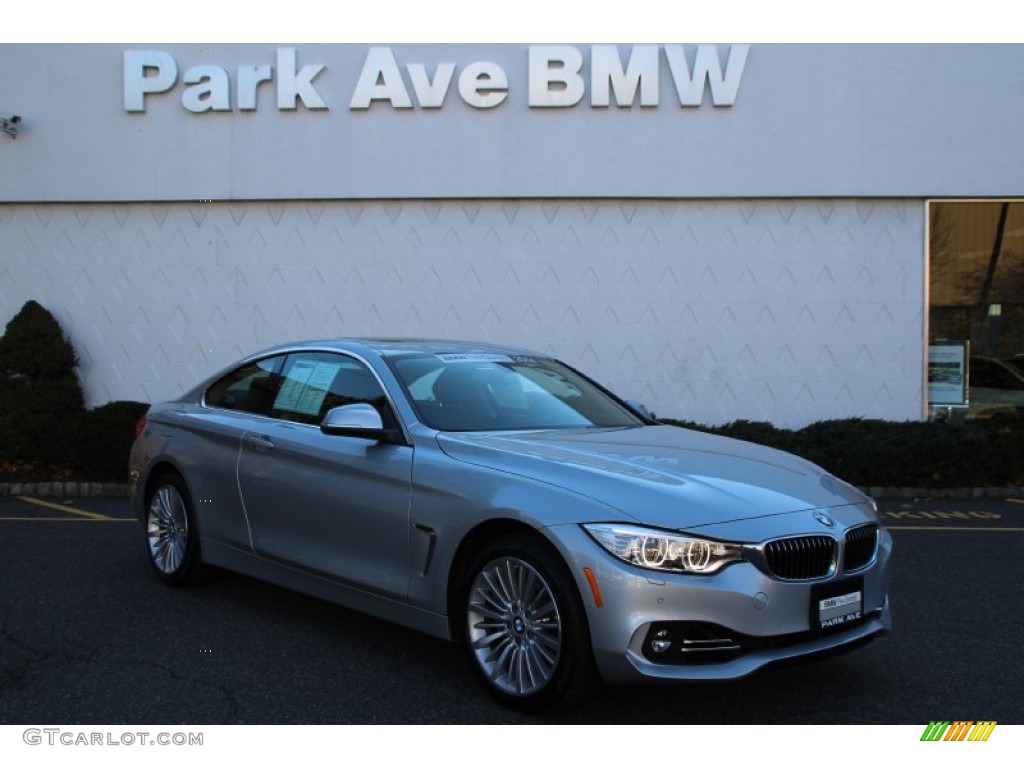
(337, 506)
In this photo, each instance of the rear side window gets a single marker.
(251, 388)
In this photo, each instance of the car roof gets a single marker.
(388, 347)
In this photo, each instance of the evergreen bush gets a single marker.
(103, 438)
(40, 395)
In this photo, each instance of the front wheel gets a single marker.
(526, 627)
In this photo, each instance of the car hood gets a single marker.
(660, 475)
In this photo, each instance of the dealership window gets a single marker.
(976, 309)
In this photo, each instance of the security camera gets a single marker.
(9, 125)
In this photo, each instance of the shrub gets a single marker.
(102, 439)
(40, 395)
(45, 431)
(913, 454)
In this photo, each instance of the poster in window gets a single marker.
(947, 373)
(306, 383)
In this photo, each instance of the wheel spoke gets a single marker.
(538, 662)
(503, 576)
(485, 610)
(539, 650)
(489, 640)
(520, 670)
(523, 577)
(173, 555)
(546, 638)
(500, 667)
(496, 594)
(491, 624)
(546, 607)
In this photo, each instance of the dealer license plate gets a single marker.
(838, 604)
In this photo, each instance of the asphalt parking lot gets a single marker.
(88, 635)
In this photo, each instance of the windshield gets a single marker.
(471, 392)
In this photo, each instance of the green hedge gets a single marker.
(861, 451)
(913, 454)
(102, 439)
(89, 446)
(46, 434)
(45, 431)
(40, 396)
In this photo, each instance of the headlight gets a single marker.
(662, 551)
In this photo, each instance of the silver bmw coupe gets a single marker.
(499, 498)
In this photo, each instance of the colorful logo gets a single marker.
(958, 730)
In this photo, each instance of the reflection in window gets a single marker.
(251, 388)
(315, 382)
(976, 294)
(497, 392)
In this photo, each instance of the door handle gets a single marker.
(260, 442)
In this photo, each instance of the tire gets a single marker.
(172, 539)
(526, 628)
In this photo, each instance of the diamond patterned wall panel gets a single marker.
(780, 310)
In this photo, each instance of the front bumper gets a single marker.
(750, 659)
(766, 620)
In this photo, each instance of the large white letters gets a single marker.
(482, 84)
(557, 77)
(292, 85)
(430, 93)
(380, 80)
(706, 68)
(606, 70)
(152, 72)
(137, 83)
(555, 64)
(210, 90)
(249, 79)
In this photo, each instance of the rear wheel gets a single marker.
(526, 628)
(172, 540)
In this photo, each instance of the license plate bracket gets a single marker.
(837, 604)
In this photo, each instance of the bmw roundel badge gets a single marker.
(824, 519)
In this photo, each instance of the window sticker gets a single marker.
(305, 387)
(473, 357)
(947, 373)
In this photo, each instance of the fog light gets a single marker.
(661, 641)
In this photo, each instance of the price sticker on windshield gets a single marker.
(473, 357)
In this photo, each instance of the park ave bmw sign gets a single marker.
(555, 75)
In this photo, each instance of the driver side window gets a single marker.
(315, 382)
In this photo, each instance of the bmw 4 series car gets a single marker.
(499, 498)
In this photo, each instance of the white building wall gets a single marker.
(789, 311)
(839, 121)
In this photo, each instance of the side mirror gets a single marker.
(641, 409)
(356, 420)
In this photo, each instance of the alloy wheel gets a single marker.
(515, 629)
(167, 529)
